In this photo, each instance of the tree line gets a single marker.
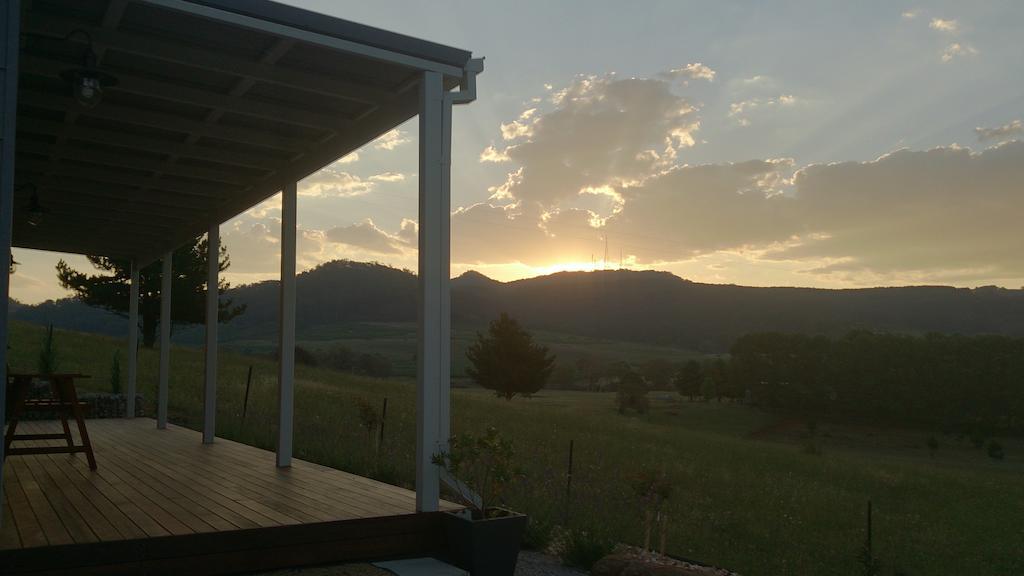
(956, 383)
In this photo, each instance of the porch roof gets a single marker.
(218, 104)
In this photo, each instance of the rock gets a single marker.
(625, 564)
(611, 565)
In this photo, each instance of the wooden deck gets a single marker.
(163, 486)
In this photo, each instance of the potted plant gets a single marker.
(483, 538)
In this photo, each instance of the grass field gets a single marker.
(397, 342)
(759, 505)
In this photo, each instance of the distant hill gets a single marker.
(645, 307)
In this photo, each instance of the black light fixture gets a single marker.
(88, 82)
(34, 211)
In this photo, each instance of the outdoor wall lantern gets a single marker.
(34, 212)
(87, 83)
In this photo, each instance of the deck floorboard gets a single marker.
(152, 483)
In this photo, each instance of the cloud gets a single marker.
(947, 26)
(388, 177)
(599, 131)
(367, 236)
(351, 158)
(694, 71)
(911, 14)
(957, 49)
(1004, 132)
(334, 182)
(255, 247)
(492, 154)
(741, 111)
(591, 168)
(936, 211)
(391, 139)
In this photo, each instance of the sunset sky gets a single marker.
(831, 144)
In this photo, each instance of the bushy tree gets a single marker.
(507, 360)
(689, 378)
(111, 288)
(658, 373)
(631, 392)
(708, 388)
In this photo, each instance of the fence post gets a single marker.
(568, 485)
(383, 418)
(245, 402)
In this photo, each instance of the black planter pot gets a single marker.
(488, 547)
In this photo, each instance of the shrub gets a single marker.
(485, 464)
(340, 358)
(933, 445)
(368, 417)
(303, 356)
(48, 353)
(376, 365)
(538, 534)
(582, 549)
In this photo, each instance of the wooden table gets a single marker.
(63, 401)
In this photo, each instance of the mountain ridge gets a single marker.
(645, 306)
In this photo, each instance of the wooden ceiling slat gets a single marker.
(172, 123)
(113, 176)
(114, 138)
(120, 160)
(35, 64)
(218, 61)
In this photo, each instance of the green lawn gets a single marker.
(758, 506)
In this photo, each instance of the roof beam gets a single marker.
(170, 122)
(113, 138)
(332, 42)
(102, 175)
(217, 61)
(126, 82)
(110, 248)
(121, 160)
(74, 196)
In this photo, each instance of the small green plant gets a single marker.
(582, 549)
(368, 418)
(995, 450)
(485, 464)
(115, 373)
(539, 533)
(977, 438)
(869, 565)
(48, 353)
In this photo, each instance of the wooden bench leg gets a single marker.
(67, 429)
(77, 410)
(18, 406)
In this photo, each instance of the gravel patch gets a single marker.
(533, 563)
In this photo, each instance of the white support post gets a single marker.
(444, 261)
(212, 309)
(431, 287)
(133, 341)
(10, 21)
(286, 351)
(165, 341)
